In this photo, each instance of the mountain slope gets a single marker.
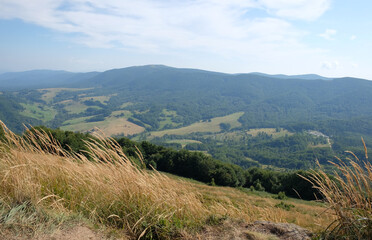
(211, 94)
(10, 113)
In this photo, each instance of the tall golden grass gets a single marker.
(108, 188)
(349, 195)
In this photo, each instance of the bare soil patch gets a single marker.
(77, 232)
(259, 230)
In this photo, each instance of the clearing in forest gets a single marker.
(212, 125)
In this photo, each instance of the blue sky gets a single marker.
(330, 38)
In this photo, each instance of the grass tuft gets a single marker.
(349, 196)
(108, 188)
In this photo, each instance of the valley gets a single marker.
(246, 119)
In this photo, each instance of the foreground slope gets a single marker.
(39, 187)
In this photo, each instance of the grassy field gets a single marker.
(50, 93)
(121, 113)
(101, 99)
(183, 142)
(124, 105)
(212, 126)
(76, 120)
(110, 191)
(110, 126)
(269, 131)
(167, 119)
(224, 136)
(73, 107)
(38, 111)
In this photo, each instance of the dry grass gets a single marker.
(109, 189)
(349, 196)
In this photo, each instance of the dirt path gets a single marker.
(259, 230)
(78, 232)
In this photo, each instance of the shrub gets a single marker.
(284, 206)
(281, 196)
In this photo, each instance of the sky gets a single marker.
(332, 38)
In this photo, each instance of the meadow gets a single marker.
(110, 126)
(203, 126)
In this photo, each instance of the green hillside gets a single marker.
(211, 112)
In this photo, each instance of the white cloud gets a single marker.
(330, 65)
(328, 34)
(205, 27)
(353, 37)
(297, 9)
(153, 25)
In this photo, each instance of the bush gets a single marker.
(284, 206)
(281, 196)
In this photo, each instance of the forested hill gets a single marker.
(265, 100)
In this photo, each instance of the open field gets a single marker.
(73, 107)
(183, 142)
(38, 111)
(167, 119)
(101, 99)
(121, 113)
(269, 131)
(110, 126)
(224, 136)
(126, 104)
(212, 126)
(76, 120)
(50, 93)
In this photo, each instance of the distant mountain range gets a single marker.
(40, 79)
(57, 78)
(302, 76)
